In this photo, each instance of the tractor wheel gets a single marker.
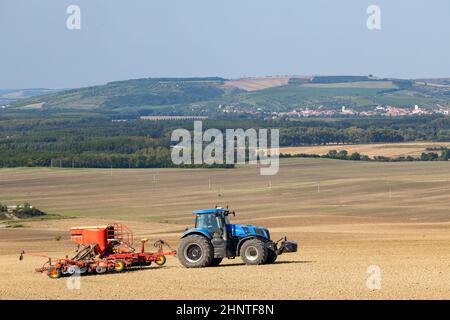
(54, 273)
(253, 252)
(271, 256)
(216, 261)
(161, 260)
(119, 266)
(195, 251)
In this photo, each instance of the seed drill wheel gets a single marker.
(83, 270)
(161, 260)
(119, 266)
(72, 269)
(54, 273)
(100, 269)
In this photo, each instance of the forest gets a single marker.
(85, 140)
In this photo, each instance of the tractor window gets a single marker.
(210, 222)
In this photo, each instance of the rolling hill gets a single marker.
(9, 96)
(283, 93)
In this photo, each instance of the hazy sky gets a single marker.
(230, 38)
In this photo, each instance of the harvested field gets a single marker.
(254, 84)
(414, 149)
(345, 215)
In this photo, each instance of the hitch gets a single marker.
(286, 246)
(160, 245)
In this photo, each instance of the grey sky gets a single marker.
(230, 38)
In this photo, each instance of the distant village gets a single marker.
(321, 111)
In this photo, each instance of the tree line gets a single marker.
(90, 140)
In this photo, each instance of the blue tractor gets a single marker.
(214, 238)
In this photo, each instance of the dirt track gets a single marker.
(332, 262)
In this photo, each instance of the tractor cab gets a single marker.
(213, 221)
(215, 224)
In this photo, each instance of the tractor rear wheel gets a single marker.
(253, 252)
(216, 261)
(195, 251)
(271, 256)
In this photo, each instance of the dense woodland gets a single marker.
(93, 140)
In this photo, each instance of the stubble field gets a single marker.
(345, 215)
(393, 150)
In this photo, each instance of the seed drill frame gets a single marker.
(103, 249)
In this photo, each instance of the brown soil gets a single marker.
(332, 263)
(346, 216)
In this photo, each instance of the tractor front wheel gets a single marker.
(271, 256)
(254, 252)
(216, 261)
(195, 251)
